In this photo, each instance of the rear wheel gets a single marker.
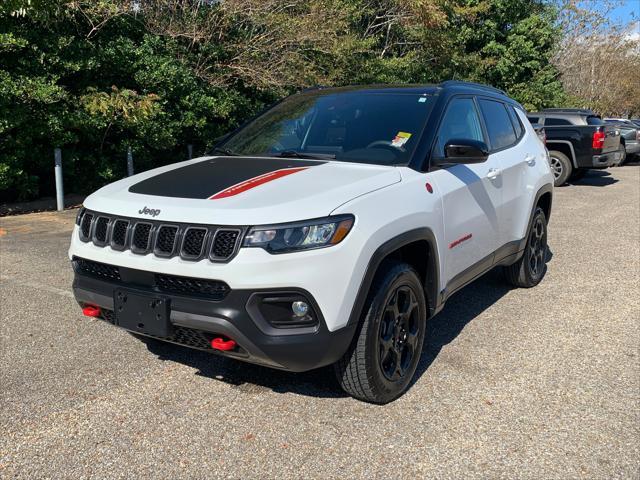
(532, 266)
(560, 166)
(383, 357)
(622, 155)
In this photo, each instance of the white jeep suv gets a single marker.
(328, 230)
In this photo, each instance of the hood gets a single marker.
(241, 190)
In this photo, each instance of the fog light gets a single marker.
(300, 309)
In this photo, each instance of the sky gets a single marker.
(625, 12)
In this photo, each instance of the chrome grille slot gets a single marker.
(193, 242)
(119, 234)
(166, 240)
(85, 226)
(100, 231)
(224, 244)
(141, 237)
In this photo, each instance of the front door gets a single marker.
(471, 196)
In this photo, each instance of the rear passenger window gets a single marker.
(460, 122)
(550, 122)
(516, 121)
(499, 126)
(534, 119)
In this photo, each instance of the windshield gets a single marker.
(365, 127)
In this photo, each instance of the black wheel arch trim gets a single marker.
(432, 277)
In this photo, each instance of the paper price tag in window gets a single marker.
(400, 139)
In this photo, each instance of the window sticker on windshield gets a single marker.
(422, 99)
(400, 139)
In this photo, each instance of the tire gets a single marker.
(578, 173)
(384, 355)
(530, 269)
(560, 167)
(622, 151)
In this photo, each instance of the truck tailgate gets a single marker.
(611, 139)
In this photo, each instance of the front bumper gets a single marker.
(197, 319)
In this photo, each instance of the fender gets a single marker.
(382, 252)
(546, 188)
(573, 153)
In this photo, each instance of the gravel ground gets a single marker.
(540, 383)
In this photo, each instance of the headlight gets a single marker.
(288, 237)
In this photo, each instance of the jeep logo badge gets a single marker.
(149, 211)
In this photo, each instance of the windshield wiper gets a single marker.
(314, 156)
(225, 151)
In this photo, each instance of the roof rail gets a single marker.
(583, 111)
(454, 83)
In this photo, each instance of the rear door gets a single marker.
(513, 159)
(471, 196)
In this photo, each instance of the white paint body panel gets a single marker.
(386, 201)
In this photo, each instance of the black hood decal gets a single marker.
(205, 179)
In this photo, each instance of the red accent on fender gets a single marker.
(220, 343)
(429, 187)
(255, 181)
(91, 311)
(457, 242)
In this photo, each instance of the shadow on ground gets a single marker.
(460, 309)
(594, 178)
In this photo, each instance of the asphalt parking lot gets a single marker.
(540, 383)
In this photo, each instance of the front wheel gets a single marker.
(532, 266)
(383, 358)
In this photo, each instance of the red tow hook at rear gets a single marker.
(220, 343)
(91, 311)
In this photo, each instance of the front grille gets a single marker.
(193, 242)
(97, 269)
(214, 289)
(190, 242)
(141, 234)
(224, 244)
(211, 289)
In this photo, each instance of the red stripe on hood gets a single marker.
(254, 182)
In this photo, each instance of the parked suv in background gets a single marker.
(326, 231)
(629, 138)
(577, 141)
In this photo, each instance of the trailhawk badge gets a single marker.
(149, 211)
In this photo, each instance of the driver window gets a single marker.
(460, 121)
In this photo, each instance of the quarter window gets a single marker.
(499, 126)
(516, 121)
(460, 122)
(550, 122)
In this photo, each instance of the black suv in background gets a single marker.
(577, 140)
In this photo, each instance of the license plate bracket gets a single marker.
(143, 313)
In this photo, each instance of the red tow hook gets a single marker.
(220, 343)
(91, 311)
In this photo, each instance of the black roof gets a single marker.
(458, 85)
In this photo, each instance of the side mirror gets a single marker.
(465, 151)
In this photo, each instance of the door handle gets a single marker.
(530, 159)
(494, 173)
